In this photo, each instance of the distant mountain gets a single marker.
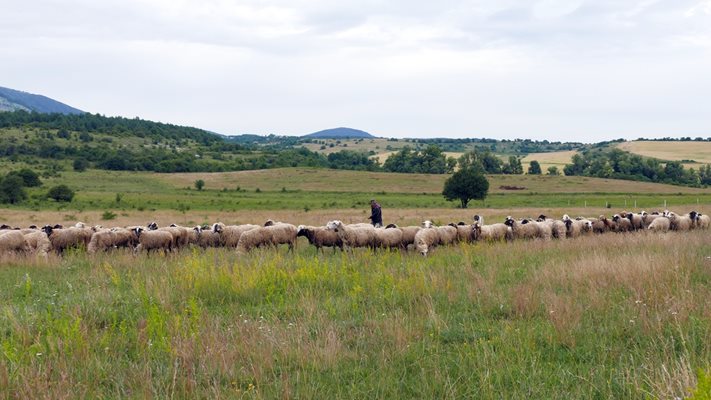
(339, 133)
(14, 100)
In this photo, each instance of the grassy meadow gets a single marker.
(615, 316)
(612, 316)
(310, 190)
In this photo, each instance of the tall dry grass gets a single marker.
(613, 316)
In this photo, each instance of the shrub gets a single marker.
(108, 215)
(80, 165)
(61, 193)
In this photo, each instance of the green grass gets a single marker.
(588, 318)
(313, 189)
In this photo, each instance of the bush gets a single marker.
(199, 184)
(61, 193)
(80, 165)
(108, 215)
(29, 177)
(12, 189)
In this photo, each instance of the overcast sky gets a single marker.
(580, 70)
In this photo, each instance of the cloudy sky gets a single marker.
(583, 70)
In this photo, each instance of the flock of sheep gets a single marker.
(335, 234)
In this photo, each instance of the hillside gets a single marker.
(14, 100)
(340, 133)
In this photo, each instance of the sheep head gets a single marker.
(152, 226)
(509, 221)
(137, 231)
(334, 225)
(391, 226)
(566, 217)
(427, 224)
(47, 229)
(217, 227)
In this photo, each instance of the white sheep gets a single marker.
(153, 240)
(108, 239)
(230, 234)
(389, 238)
(13, 241)
(556, 227)
(426, 238)
(490, 233)
(526, 229)
(577, 227)
(660, 224)
(359, 236)
(38, 242)
(680, 223)
(700, 221)
(71, 237)
(622, 224)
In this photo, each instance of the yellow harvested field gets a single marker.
(700, 152)
(384, 156)
(557, 158)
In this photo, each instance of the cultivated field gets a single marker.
(699, 152)
(558, 159)
(612, 316)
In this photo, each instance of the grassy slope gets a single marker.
(587, 318)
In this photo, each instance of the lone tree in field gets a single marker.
(534, 168)
(465, 185)
(199, 184)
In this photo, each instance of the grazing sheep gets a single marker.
(610, 226)
(206, 237)
(38, 242)
(71, 237)
(680, 223)
(622, 224)
(254, 238)
(660, 224)
(426, 238)
(490, 233)
(194, 235)
(13, 242)
(320, 237)
(700, 221)
(408, 235)
(282, 233)
(526, 229)
(636, 220)
(464, 232)
(557, 227)
(113, 238)
(388, 238)
(153, 240)
(230, 234)
(359, 236)
(600, 224)
(578, 227)
(180, 234)
(447, 234)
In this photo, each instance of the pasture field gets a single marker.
(613, 316)
(699, 152)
